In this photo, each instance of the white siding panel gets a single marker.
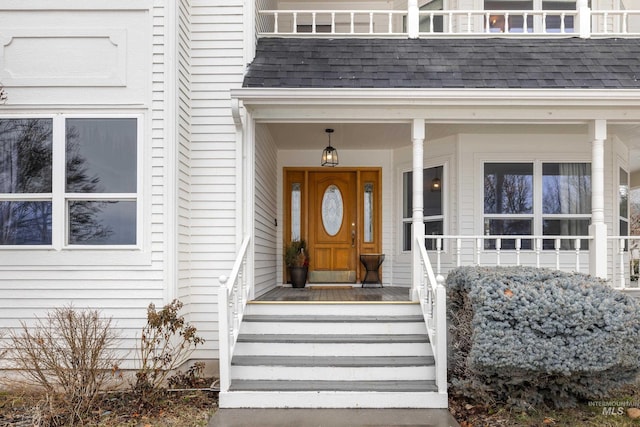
(266, 191)
(183, 110)
(217, 32)
(120, 283)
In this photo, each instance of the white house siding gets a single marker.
(181, 150)
(266, 205)
(216, 66)
(89, 59)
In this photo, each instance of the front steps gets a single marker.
(333, 355)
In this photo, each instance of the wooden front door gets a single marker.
(332, 226)
(338, 212)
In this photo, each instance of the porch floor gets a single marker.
(326, 293)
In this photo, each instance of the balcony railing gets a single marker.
(583, 22)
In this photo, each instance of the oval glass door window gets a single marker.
(332, 210)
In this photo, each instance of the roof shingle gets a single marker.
(446, 63)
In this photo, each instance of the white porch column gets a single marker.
(413, 19)
(417, 137)
(583, 23)
(598, 228)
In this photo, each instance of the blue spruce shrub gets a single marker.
(534, 337)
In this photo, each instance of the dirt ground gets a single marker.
(193, 408)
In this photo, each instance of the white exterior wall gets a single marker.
(181, 181)
(217, 65)
(266, 206)
(88, 59)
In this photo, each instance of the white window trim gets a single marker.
(619, 164)
(59, 252)
(537, 160)
(428, 163)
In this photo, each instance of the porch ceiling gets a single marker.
(381, 136)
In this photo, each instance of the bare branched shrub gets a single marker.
(166, 342)
(71, 356)
(191, 378)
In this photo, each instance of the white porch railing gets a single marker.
(559, 252)
(330, 22)
(232, 300)
(437, 23)
(433, 301)
(625, 259)
(567, 253)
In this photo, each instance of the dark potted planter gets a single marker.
(298, 276)
(297, 262)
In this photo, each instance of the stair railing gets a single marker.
(433, 300)
(232, 299)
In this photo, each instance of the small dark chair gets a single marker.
(372, 263)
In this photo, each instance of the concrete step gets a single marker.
(331, 399)
(347, 368)
(332, 345)
(334, 339)
(333, 355)
(410, 386)
(345, 361)
(348, 373)
(332, 318)
(333, 308)
(333, 325)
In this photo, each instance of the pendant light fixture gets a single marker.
(330, 154)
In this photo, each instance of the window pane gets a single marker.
(296, 212)
(101, 155)
(516, 22)
(432, 186)
(432, 228)
(624, 231)
(624, 228)
(25, 223)
(425, 21)
(368, 212)
(508, 188)
(25, 155)
(565, 227)
(432, 195)
(566, 188)
(407, 194)
(553, 22)
(624, 194)
(505, 227)
(406, 236)
(102, 223)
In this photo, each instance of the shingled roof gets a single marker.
(446, 63)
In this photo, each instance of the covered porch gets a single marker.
(501, 151)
